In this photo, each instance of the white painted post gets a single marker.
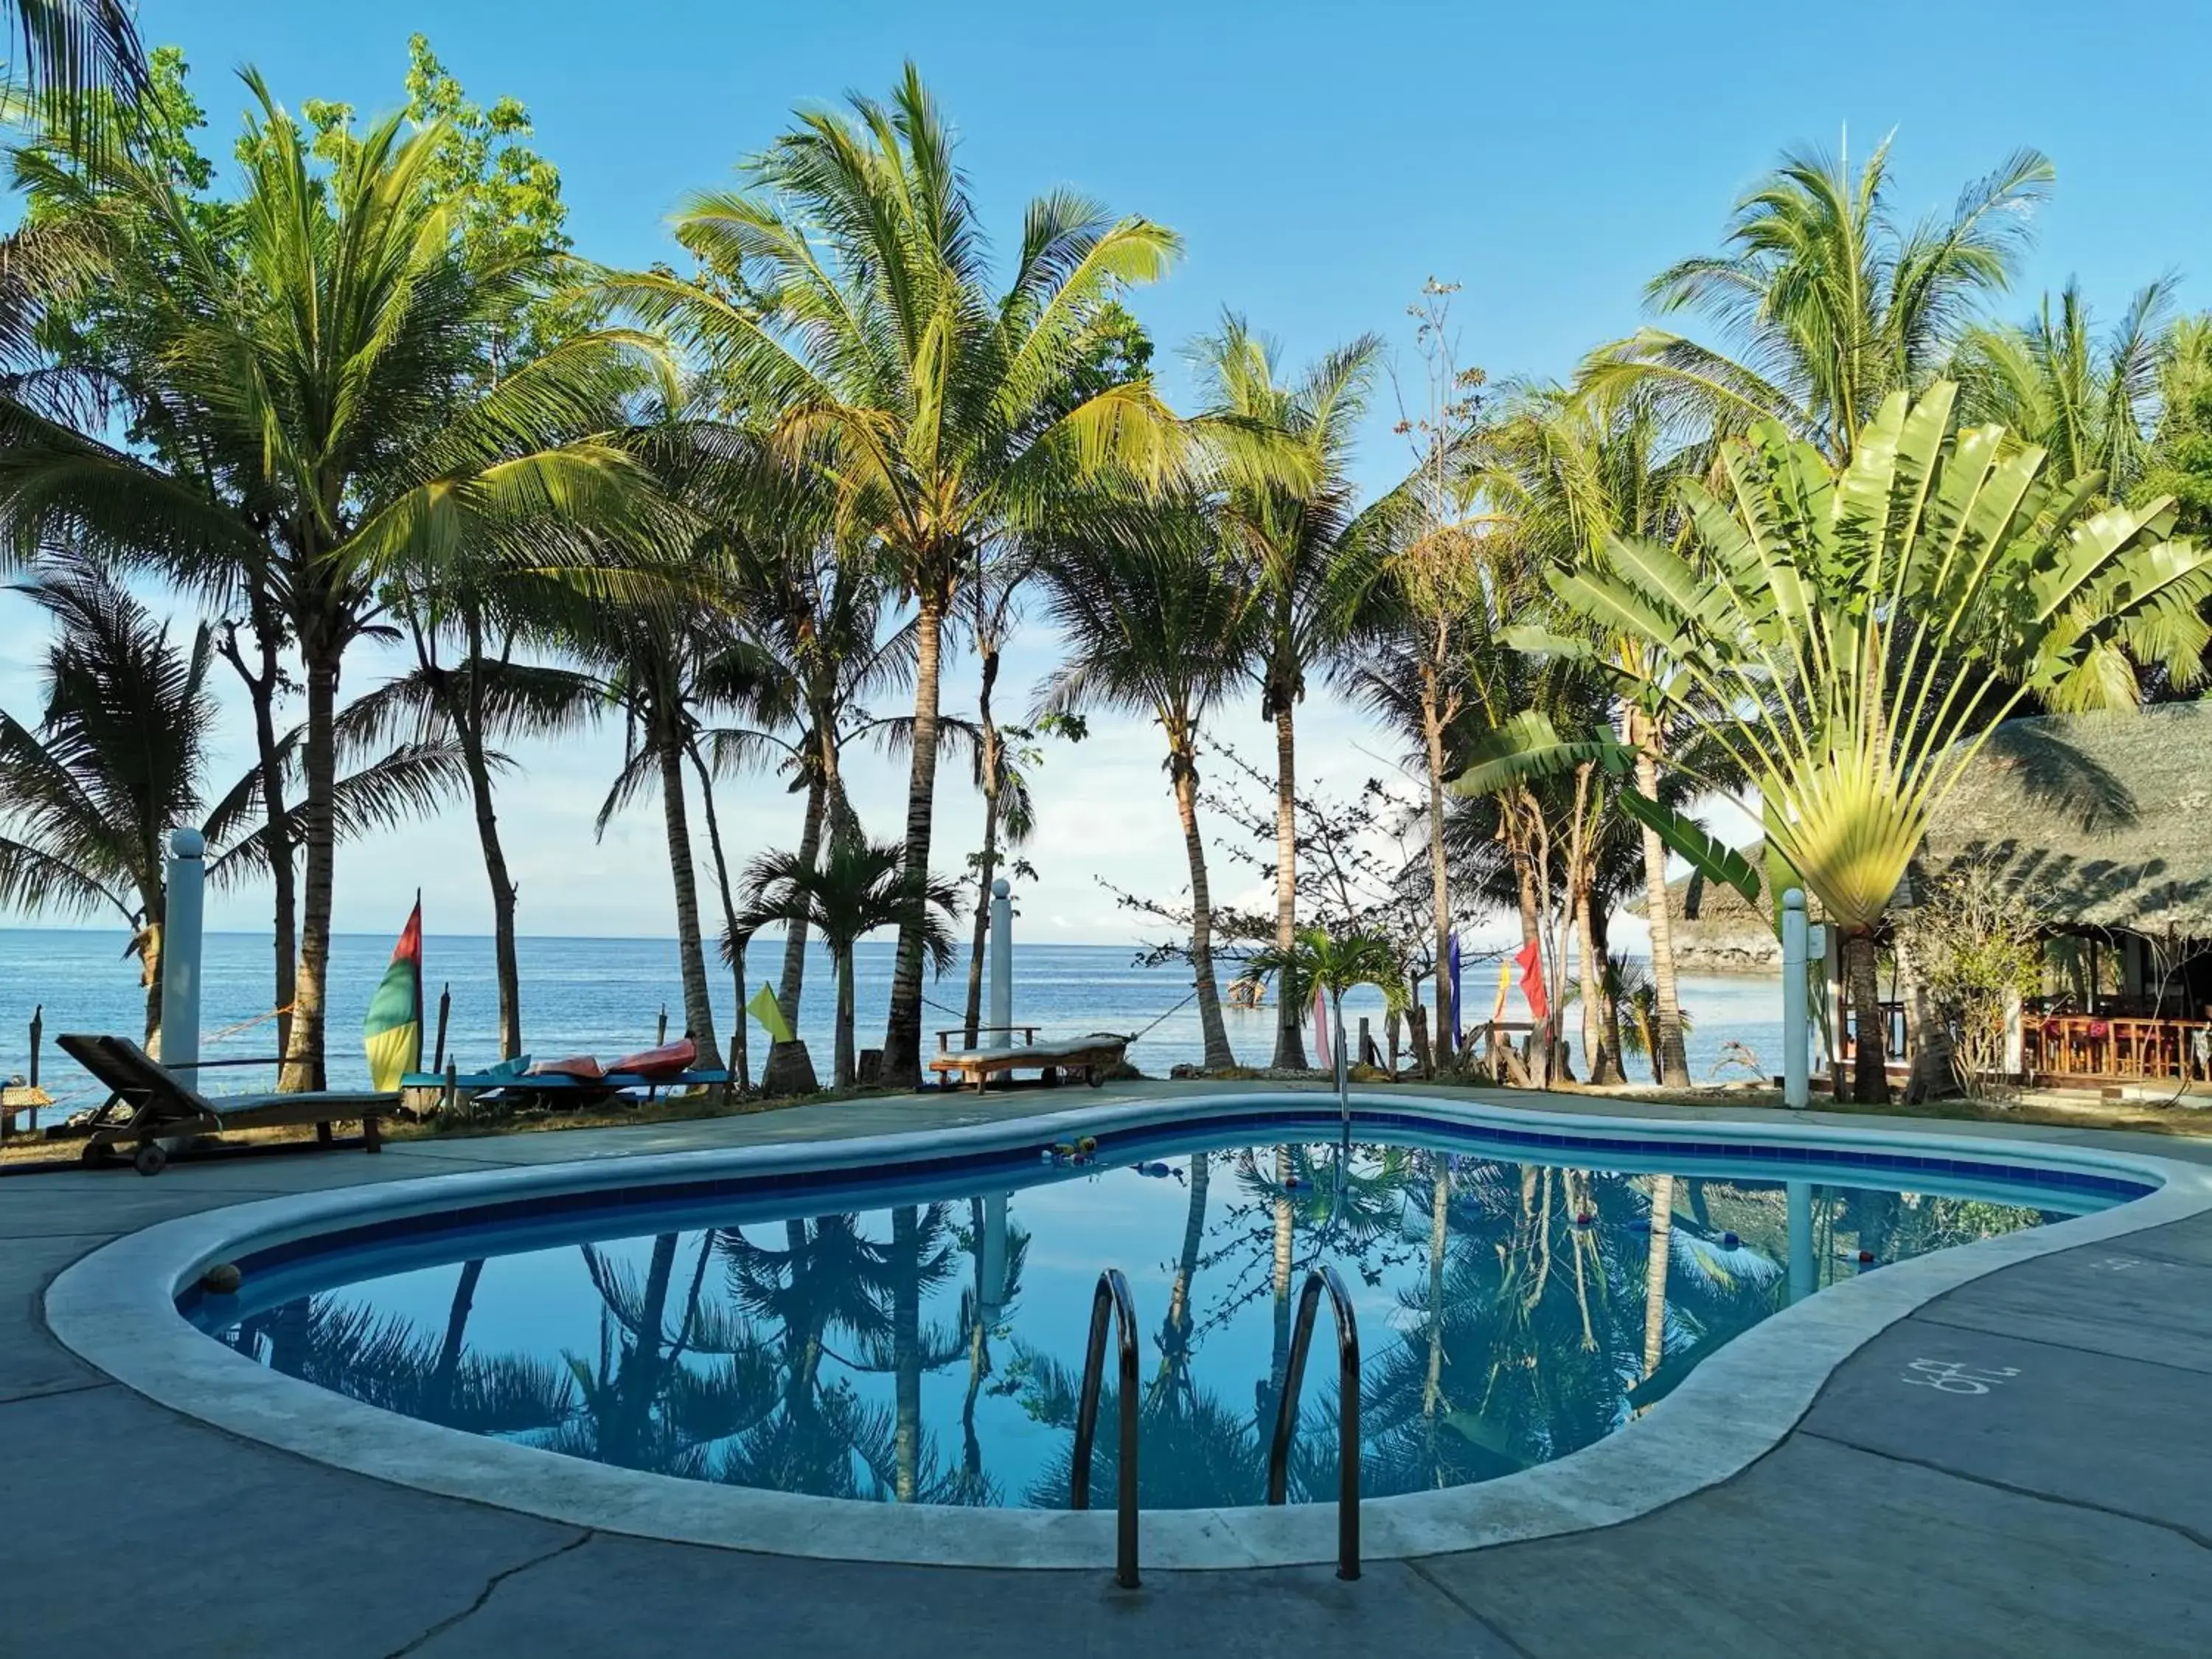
(1002, 960)
(1799, 1197)
(186, 874)
(1796, 1090)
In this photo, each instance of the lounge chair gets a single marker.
(512, 1082)
(149, 1103)
(1090, 1057)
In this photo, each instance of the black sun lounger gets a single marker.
(148, 1103)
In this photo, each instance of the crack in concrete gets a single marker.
(55, 1394)
(2180, 1530)
(485, 1594)
(1413, 1564)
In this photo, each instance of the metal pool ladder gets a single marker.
(1286, 1414)
(1112, 1301)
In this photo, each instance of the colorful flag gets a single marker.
(1530, 960)
(769, 1012)
(392, 1033)
(1321, 1027)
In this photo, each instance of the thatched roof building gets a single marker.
(2106, 819)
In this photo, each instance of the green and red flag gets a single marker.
(392, 1033)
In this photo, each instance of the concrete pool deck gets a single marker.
(2066, 1509)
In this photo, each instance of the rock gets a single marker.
(870, 1072)
(790, 1070)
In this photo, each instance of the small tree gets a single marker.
(1975, 945)
(1335, 962)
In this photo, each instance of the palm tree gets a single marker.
(1334, 962)
(859, 887)
(1573, 472)
(304, 365)
(2090, 403)
(483, 697)
(1155, 622)
(81, 58)
(853, 305)
(1848, 644)
(1293, 534)
(119, 757)
(1826, 305)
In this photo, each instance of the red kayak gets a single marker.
(582, 1067)
(670, 1060)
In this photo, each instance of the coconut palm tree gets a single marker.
(305, 366)
(118, 757)
(2090, 403)
(1155, 622)
(1292, 534)
(857, 888)
(485, 695)
(1334, 962)
(1824, 303)
(1850, 643)
(80, 60)
(856, 307)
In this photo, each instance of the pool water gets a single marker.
(923, 1342)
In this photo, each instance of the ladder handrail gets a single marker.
(1286, 1412)
(1111, 1301)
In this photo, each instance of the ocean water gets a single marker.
(604, 997)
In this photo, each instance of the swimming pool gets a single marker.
(918, 1335)
(128, 1308)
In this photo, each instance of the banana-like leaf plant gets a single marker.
(1850, 640)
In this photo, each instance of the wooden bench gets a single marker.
(1088, 1057)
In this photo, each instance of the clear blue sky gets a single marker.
(1320, 161)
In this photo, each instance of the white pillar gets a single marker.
(1802, 1282)
(185, 874)
(992, 1293)
(1795, 1087)
(1002, 960)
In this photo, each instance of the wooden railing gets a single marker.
(2118, 1046)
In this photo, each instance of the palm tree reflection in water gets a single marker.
(1511, 1313)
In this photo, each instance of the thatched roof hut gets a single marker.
(2106, 819)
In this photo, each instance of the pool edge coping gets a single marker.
(115, 1308)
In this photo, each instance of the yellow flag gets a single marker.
(769, 1012)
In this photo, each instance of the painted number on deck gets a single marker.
(1951, 1376)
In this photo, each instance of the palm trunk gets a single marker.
(1609, 1003)
(691, 957)
(1449, 1018)
(1671, 1058)
(740, 1056)
(457, 1326)
(1290, 1029)
(842, 1076)
(902, 1031)
(1586, 973)
(1869, 1068)
(906, 1348)
(151, 971)
(284, 872)
(1280, 1282)
(794, 930)
(505, 966)
(1654, 1272)
(304, 1059)
(1440, 1218)
(1212, 1032)
(989, 866)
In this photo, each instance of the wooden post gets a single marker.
(38, 1031)
(452, 1086)
(1366, 1043)
(660, 1033)
(445, 1010)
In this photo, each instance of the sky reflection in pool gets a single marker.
(1510, 1313)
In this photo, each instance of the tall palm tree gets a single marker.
(669, 667)
(80, 60)
(1293, 533)
(305, 364)
(119, 756)
(1850, 644)
(2090, 403)
(1572, 471)
(857, 887)
(483, 696)
(855, 306)
(1155, 622)
(1824, 303)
